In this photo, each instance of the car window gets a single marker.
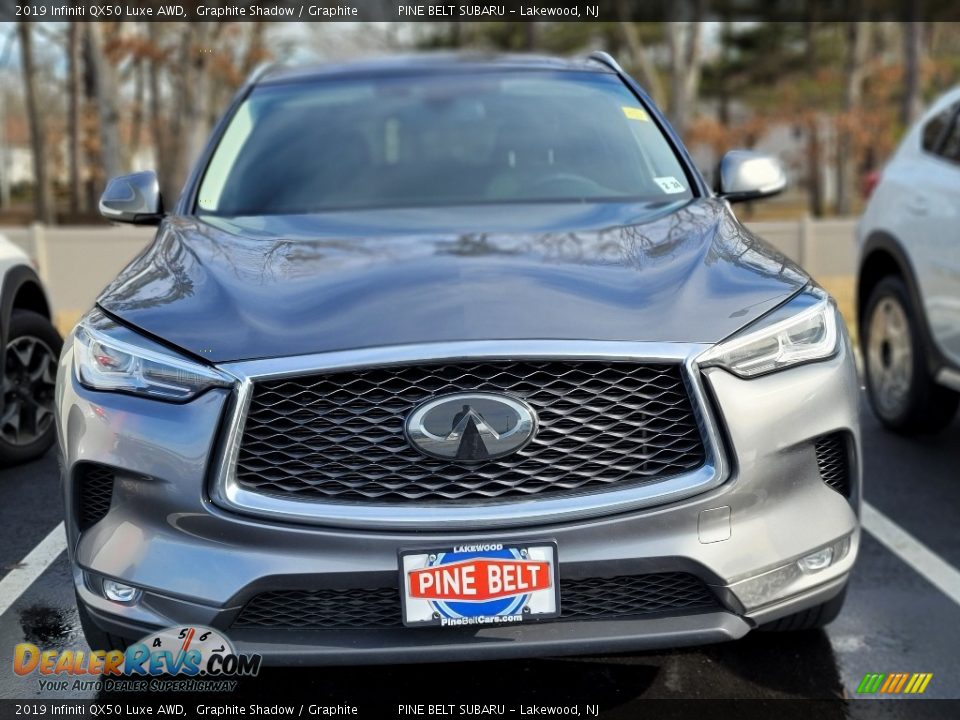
(935, 127)
(950, 150)
(439, 140)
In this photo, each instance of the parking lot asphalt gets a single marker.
(895, 619)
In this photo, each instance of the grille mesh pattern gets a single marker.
(341, 437)
(633, 595)
(594, 598)
(834, 462)
(96, 491)
(323, 609)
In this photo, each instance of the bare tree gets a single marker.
(913, 56)
(256, 50)
(161, 131)
(857, 36)
(723, 84)
(105, 97)
(5, 160)
(684, 42)
(531, 35)
(75, 117)
(195, 90)
(180, 132)
(136, 120)
(195, 86)
(180, 121)
(810, 36)
(189, 73)
(43, 190)
(639, 57)
(815, 194)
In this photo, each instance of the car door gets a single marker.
(935, 203)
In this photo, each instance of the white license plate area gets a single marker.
(486, 584)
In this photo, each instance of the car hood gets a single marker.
(259, 287)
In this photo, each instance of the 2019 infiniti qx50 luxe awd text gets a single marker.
(456, 358)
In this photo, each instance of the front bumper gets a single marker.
(199, 563)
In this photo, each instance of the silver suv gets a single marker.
(449, 358)
(909, 279)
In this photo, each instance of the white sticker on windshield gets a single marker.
(669, 185)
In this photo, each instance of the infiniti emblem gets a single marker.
(471, 427)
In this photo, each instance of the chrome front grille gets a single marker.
(338, 436)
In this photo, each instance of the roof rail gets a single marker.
(260, 70)
(605, 58)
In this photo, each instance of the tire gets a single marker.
(810, 619)
(96, 638)
(27, 428)
(903, 395)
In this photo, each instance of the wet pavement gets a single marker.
(894, 619)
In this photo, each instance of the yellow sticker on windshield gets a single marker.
(636, 113)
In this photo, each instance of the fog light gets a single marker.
(816, 561)
(118, 592)
(794, 577)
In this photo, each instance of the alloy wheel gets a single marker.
(890, 360)
(28, 389)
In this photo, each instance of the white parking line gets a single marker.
(23, 575)
(913, 552)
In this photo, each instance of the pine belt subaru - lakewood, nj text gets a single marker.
(447, 357)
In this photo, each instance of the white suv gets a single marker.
(909, 279)
(31, 346)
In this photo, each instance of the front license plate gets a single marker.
(488, 584)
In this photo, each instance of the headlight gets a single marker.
(103, 361)
(803, 330)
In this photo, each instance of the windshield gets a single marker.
(487, 137)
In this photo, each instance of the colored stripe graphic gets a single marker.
(870, 683)
(891, 681)
(894, 683)
(923, 682)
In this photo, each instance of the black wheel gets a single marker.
(30, 374)
(902, 394)
(810, 619)
(96, 638)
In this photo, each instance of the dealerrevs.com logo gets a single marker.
(193, 658)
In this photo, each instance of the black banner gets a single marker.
(505, 10)
(174, 706)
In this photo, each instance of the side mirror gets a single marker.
(133, 199)
(747, 175)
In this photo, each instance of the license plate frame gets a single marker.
(517, 562)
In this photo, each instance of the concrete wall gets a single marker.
(76, 263)
(822, 247)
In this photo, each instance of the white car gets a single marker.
(31, 346)
(909, 279)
